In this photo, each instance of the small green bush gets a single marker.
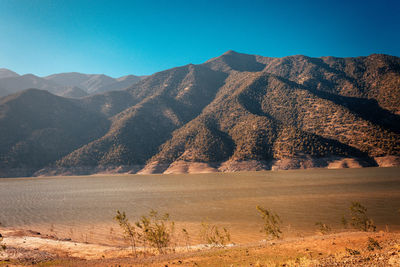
(212, 235)
(359, 218)
(156, 230)
(130, 233)
(271, 223)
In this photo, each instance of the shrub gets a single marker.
(323, 228)
(3, 246)
(271, 223)
(344, 221)
(186, 237)
(373, 244)
(130, 233)
(156, 230)
(352, 251)
(359, 218)
(212, 235)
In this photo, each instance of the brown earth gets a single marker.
(336, 249)
(182, 167)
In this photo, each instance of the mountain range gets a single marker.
(73, 84)
(234, 112)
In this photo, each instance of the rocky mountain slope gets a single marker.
(244, 112)
(38, 128)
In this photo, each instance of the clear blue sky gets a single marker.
(142, 37)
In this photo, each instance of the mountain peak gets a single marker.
(6, 73)
(230, 52)
(232, 60)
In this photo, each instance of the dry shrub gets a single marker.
(359, 218)
(212, 235)
(271, 224)
(323, 228)
(156, 230)
(130, 232)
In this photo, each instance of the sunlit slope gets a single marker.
(291, 112)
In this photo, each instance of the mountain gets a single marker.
(13, 84)
(74, 92)
(120, 83)
(71, 84)
(243, 112)
(68, 79)
(37, 128)
(93, 83)
(5, 73)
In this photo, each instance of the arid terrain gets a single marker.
(235, 112)
(221, 133)
(335, 249)
(69, 220)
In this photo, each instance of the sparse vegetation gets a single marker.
(323, 228)
(129, 230)
(359, 218)
(3, 246)
(156, 230)
(151, 230)
(271, 223)
(373, 244)
(111, 234)
(212, 235)
(186, 237)
(344, 222)
(352, 252)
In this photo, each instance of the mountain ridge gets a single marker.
(246, 112)
(63, 83)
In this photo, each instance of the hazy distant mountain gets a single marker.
(64, 84)
(74, 92)
(93, 83)
(15, 84)
(120, 83)
(97, 81)
(240, 112)
(5, 73)
(88, 82)
(68, 79)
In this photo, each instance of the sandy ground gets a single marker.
(337, 249)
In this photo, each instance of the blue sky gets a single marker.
(142, 37)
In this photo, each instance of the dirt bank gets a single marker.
(338, 249)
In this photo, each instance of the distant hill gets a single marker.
(74, 92)
(5, 73)
(120, 83)
(15, 84)
(37, 128)
(93, 83)
(64, 84)
(242, 112)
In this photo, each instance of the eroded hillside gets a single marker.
(234, 112)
